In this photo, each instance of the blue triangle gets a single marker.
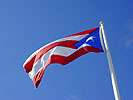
(92, 39)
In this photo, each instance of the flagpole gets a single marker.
(111, 67)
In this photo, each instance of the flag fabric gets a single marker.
(62, 51)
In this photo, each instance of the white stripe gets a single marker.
(64, 51)
(58, 50)
(77, 37)
(39, 64)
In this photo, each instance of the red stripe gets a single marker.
(84, 32)
(28, 66)
(63, 60)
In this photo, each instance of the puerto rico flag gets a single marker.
(63, 51)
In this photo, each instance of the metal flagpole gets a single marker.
(112, 72)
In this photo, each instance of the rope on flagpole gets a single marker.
(111, 67)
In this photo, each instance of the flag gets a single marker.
(62, 51)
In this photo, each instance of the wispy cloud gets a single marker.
(129, 37)
(75, 97)
(129, 42)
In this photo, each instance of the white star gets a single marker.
(90, 38)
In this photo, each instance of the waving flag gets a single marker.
(62, 51)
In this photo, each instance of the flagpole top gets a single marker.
(101, 23)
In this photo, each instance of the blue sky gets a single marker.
(27, 25)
